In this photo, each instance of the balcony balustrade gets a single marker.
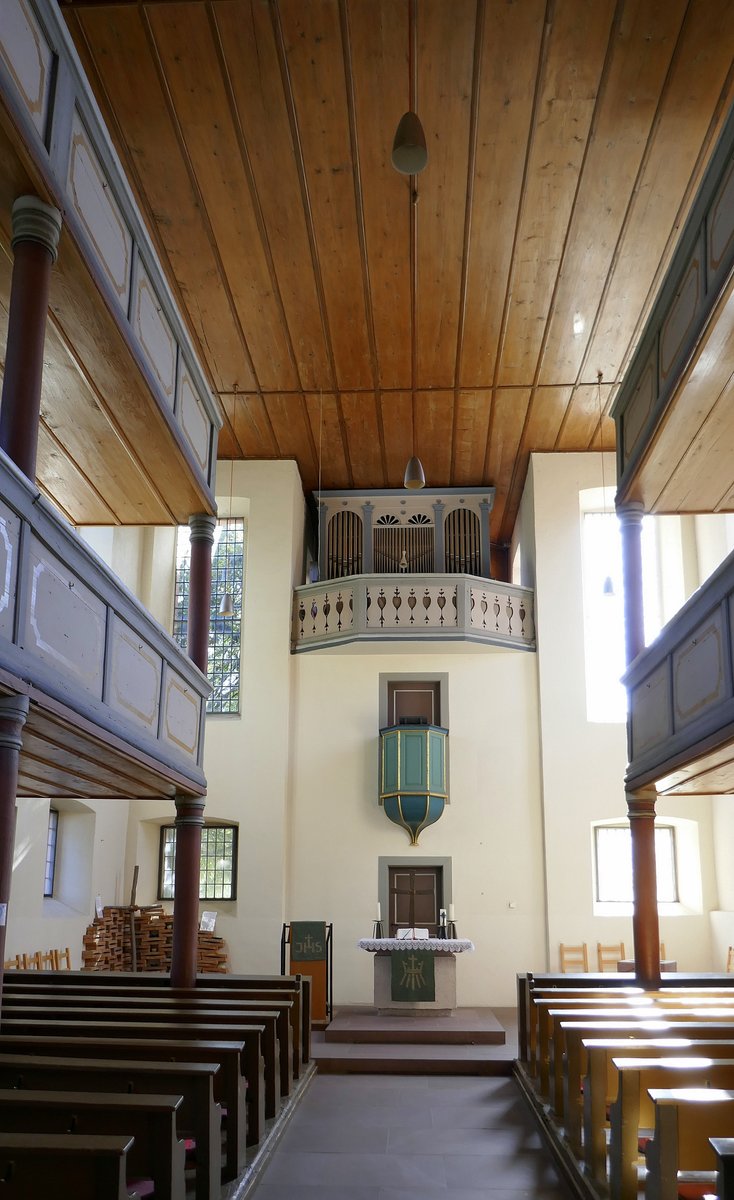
(414, 608)
(75, 639)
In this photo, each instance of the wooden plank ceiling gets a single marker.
(345, 311)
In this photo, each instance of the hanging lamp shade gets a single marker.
(415, 476)
(226, 608)
(409, 153)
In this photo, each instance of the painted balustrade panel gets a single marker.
(72, 630)
(681, 687)
(503, 612)
(45, 90)
(412, 607)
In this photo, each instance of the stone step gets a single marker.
(464, 1026)
(341, 1058)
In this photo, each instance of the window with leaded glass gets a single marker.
(225, 629)
(217, 867)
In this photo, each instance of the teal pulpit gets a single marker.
(413, 775)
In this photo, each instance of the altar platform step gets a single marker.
(471, 1042)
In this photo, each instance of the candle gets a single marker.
(379, 914)
(451, 912)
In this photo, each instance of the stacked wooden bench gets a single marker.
(220, 1060)
(633, 1085)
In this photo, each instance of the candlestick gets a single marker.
(378, 916)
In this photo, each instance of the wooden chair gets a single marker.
(48, 960)
(730, 959)
(13, 964)
(609, 955)
(574, 958)
(62, 958)
(662, 951)
(31, 961)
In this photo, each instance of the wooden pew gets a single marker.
(685, 1121)
(35, 1166)
(161, 1022)
(723, 1148)
(156, 1153)
(632, 1110)
(301, 984)
(287, 999)
(600, 1083)
(199, 1114)
(245, 1123)
(576, 1031)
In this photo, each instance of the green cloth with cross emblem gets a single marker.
(413, 975)
(308, 941)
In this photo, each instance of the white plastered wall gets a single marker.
(490, 829)
(583, 763)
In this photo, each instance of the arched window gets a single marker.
(344, 545)
(461, 542)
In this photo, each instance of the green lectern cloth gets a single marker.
(308, 941)
(413, 975)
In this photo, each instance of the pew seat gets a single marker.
(632, 1111)
(723, 1148)
(680, 1152)
(155, 1156)
(199, 1116)
(230, 1083)
(36, 1166)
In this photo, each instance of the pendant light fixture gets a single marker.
(409, 150)
(415, 476)
(226, 608)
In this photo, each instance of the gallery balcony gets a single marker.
(116, 707)
(417, 608)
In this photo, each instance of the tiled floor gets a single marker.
(370, 1137)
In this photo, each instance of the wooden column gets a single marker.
(35, 238)
(13, 713)
(189, 822)
(202, 528)
(640, 809)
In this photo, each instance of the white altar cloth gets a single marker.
(442, 945)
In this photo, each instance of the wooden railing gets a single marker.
(416, 608)
(72, 631)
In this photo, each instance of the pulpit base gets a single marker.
(444, 1004)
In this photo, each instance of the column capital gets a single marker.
(630, 512)
(35, 221)
(202, 526)
(641, 808)
(189, 810)
(13, 714)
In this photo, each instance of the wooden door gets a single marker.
(416, 895)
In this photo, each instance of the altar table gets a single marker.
(444, 951)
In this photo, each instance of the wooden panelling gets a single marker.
(312, 43)
(183, 39)
(378, 33)
(639, 58)
(512, 38)
(397, 423)
(250, 56)
(126, 70)
(565, 146)
(362, 428)
(688, 106)
(471, 426)
(251, 424)
(28, 57)
(327, 429)
(569, 82)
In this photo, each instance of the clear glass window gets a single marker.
(613, 852)
(217, 867)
